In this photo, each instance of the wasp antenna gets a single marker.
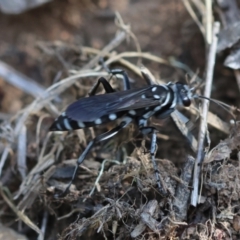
(225, 106)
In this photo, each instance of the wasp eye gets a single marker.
(186, 101)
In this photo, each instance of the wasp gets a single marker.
(130, 105)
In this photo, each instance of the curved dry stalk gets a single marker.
(194, 16)
(119, 22)
(38, 128)
(120, 37)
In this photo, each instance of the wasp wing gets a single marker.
(91, 108)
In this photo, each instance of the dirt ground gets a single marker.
(56, 41)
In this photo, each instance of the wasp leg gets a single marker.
(98, 139)
(147, 75)
(106, 85)
(153, 131)
(126, 80)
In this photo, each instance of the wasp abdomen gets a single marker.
(64, 123)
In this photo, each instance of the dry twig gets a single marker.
(203, 125)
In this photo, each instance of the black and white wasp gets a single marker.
(130, 105)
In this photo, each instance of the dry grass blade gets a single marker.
(121, 25)
(22, 152)
(44, 223)
(176, 116)
(20, 81)
(194, 15)
(38, 128)
(33, 188)
(33, 176)
(4, 156)
(114, 43)
(120, 37)
(121, 59)
(21, 215)
(203, 125)
(214, 121)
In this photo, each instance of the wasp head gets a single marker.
(184, 94)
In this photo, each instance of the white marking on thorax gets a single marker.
(166, 100)
(175, 96)
(175, 99)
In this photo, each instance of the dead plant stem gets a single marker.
(203, 124)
